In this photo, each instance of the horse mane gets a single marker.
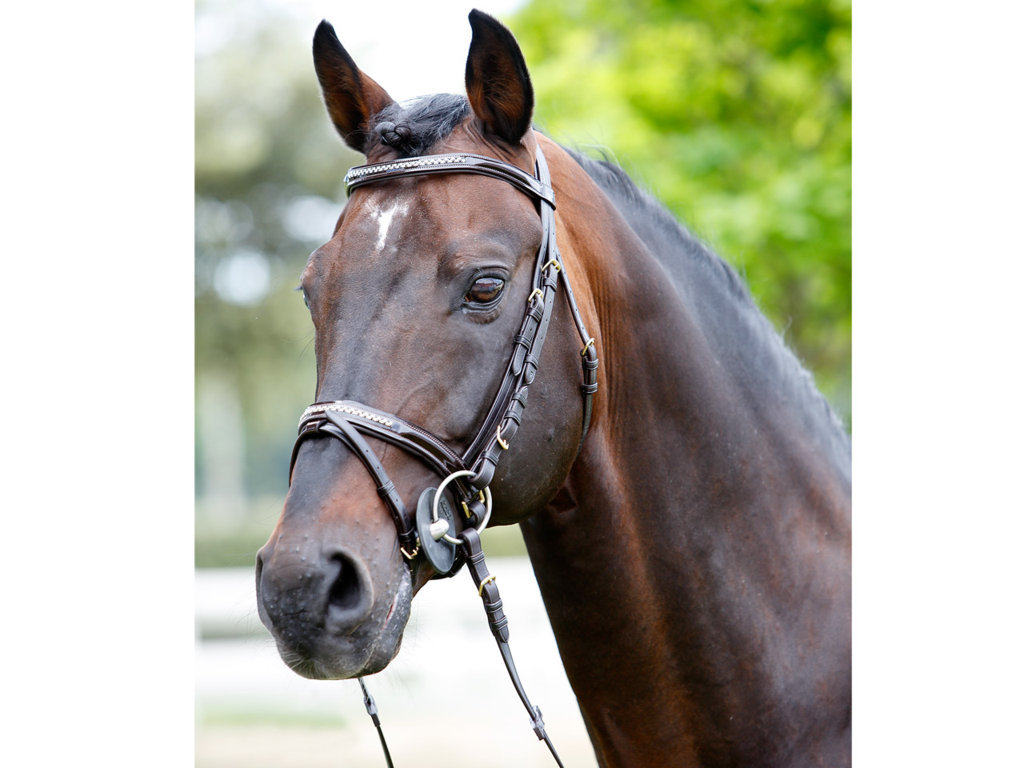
(728, 314)
(630, 198)
(741, 335)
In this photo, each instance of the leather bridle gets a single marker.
(468, 474)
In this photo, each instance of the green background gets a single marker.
(737, 115)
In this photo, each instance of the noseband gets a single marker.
(466, 475)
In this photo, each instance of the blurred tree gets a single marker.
(737, 115)
(268, 170)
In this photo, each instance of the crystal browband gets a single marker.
(460, 162)
(360, 171)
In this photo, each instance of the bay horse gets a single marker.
(685, 503)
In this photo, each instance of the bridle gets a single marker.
(466, 475)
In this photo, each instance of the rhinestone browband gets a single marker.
(359, 171)
(460, 162)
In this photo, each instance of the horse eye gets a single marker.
(485, 290)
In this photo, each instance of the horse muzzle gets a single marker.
(330, 617)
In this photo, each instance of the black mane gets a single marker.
(628, 196)
(743, 338)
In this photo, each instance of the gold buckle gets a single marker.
(484, 583)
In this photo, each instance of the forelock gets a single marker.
(415, 126)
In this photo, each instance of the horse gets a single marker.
(682, 488)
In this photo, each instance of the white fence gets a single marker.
(446, 700)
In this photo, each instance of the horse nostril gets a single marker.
(348, 600)
(345, 590)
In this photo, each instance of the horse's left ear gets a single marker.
(497, 81)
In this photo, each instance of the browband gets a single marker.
(459, 162)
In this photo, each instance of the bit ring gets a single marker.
(437, 498)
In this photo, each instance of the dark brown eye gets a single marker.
(486, 290)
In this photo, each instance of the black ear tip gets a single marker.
(325, 33)
(327, 48)
(479, 19)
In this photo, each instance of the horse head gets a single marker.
(417, 301)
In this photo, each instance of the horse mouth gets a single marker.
(324, 655)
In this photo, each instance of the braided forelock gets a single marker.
(414, 127)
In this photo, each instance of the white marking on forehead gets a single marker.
(385, 216)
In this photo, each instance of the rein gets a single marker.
(430, 531)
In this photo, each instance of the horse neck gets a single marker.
(659, 558)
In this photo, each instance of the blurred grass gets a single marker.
(237, 714)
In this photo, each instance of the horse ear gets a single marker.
(352, 98)
(497, 81)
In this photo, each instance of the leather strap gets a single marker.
(416, 440)
(505, 415)
(458, 162)
(487, 588)
(371, 710)
(345, 432)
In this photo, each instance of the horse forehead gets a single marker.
(377, 217)
(385, 218)
(430, 218)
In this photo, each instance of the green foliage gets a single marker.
(266, 160)
(737, 115)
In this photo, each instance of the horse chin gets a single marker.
(363, 651)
